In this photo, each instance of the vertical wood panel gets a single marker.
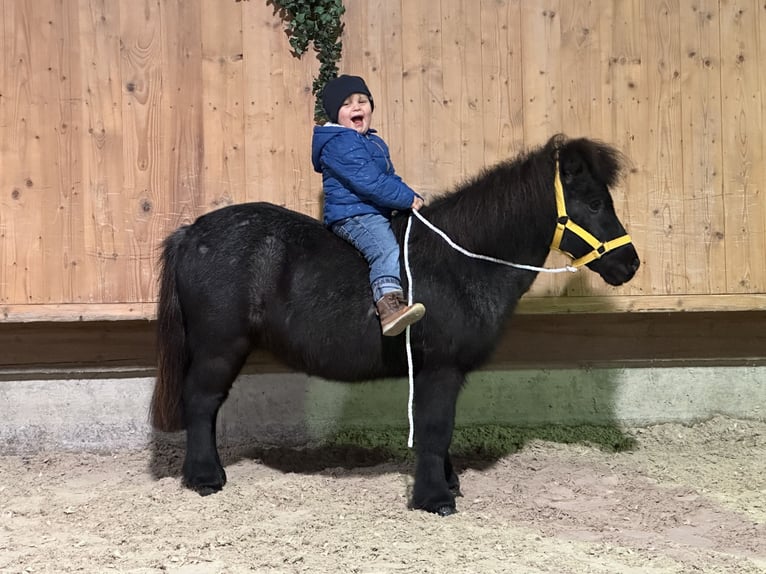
(63, 236)
(376, 55)
(295, 128)
(703, 207)
(44, 257)
(384, 52)
(104, 208)
(665, 237)
(541, 69)
(18, 209)
(24, 150)
(580, 97)
(262, 38)
(630, 116)
(541, 80)
(223, 112)
(146, 135)
(182, 105)
(743, 155)
(425, 162)
(279, 114)
(462, 128)
(502, 85)
(448, 102)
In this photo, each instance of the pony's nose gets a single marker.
(636, 264)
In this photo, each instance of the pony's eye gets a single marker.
(595, 205)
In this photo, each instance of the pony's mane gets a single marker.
(518, 193)
(497, 196)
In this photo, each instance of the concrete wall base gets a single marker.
(107, 414)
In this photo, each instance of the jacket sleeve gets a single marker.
(355, 167)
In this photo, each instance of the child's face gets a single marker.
(356, 113)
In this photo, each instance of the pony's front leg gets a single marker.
(436, 393)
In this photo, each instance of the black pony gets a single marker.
(258, 275)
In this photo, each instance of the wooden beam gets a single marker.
(86, 349)
(79, 312)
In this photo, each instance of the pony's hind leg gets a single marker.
(209, 378)
(436, 483)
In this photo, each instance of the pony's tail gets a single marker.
(166, 409)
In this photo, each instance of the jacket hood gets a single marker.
(323, 134)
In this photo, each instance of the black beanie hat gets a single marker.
(338, 89)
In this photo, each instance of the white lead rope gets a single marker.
(456, 247)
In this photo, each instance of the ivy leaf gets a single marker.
(317, 22)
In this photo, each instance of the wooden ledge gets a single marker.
(77, 312)
(87, 312)
(83, 349)
(642, 304)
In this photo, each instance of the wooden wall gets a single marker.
(122, 119)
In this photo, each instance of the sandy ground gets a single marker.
(685, 499)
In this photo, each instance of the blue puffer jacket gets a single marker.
(357, 174)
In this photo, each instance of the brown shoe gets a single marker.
(396, 315)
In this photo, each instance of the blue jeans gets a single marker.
(371, 234)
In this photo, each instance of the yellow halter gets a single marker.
(564, 222)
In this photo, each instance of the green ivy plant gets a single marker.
(317, 22)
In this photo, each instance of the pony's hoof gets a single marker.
(204, 480)
(205, 487)
(446, 510)
(206, 490)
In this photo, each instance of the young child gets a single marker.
(361, 190)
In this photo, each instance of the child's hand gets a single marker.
(417, 203)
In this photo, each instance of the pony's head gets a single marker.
(588, 228)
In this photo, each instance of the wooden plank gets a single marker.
(665, 239)
(74, 312)
(581, 69)
(703, 222)
(264, 41)
(541, 79)
(744, 159)
(529, 341)
(104, 208)
(541, 69)
(630, 118)
(146, 135)
(528, 305)
(27, 148)
(502, 104)
(183, 105)
(646, 303)
(63, 225)
(581, 93)
(424, 160)
(463, 83)
(663, 338)
(279, 116)
(224, 103)
(15, 101)
(376, 55)
(260, 25)
(447, 101)
(294, 129)
(385, 48)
